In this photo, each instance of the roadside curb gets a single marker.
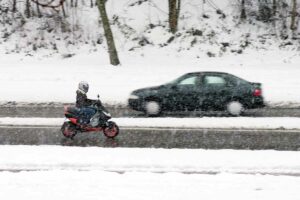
(160, 128)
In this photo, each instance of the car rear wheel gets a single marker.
(152, 108)
(235, 108)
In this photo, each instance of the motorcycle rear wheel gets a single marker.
(112, 130)
(68, 129)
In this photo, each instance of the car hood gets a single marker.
(149, 89)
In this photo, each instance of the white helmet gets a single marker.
(83, 86)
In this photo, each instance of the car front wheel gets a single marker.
(235, 108)
(152, 108)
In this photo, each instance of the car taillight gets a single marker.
(257, 93)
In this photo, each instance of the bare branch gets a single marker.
(50, 3)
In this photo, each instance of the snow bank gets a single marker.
(204, 122)
(148, 160)
(88, 173)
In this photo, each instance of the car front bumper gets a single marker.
(135, 104)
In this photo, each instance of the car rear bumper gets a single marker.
(257, 102)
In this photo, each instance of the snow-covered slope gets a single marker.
(139, 26)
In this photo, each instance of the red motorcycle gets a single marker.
(99, 122)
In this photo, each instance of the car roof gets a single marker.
(208, 72)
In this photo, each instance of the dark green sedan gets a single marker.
(199, 91)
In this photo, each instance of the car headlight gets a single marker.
(132, 96)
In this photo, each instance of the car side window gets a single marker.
(211, 80)
(188, 81)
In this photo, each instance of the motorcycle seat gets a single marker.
(73, 110)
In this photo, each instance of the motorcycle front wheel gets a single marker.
(112, 130)
(68, 129)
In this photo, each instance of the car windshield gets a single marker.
(177, 80)
(174, 81)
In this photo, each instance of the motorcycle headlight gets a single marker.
(132, 96)
(107, 114)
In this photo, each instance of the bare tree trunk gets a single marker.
(174, 9)
(283, 13)
(38, 10)
(294, 14)
(243, 10)
(27, 9)
(92, 4)
(63, 9)
(274, 14)
(14, 8)
(113, 54)
(274, 8)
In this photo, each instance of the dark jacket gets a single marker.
(82, 100)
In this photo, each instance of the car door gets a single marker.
(185, 94)
(216, 90)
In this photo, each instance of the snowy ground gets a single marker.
(53, 172)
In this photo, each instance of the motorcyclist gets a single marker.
(83, 103)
